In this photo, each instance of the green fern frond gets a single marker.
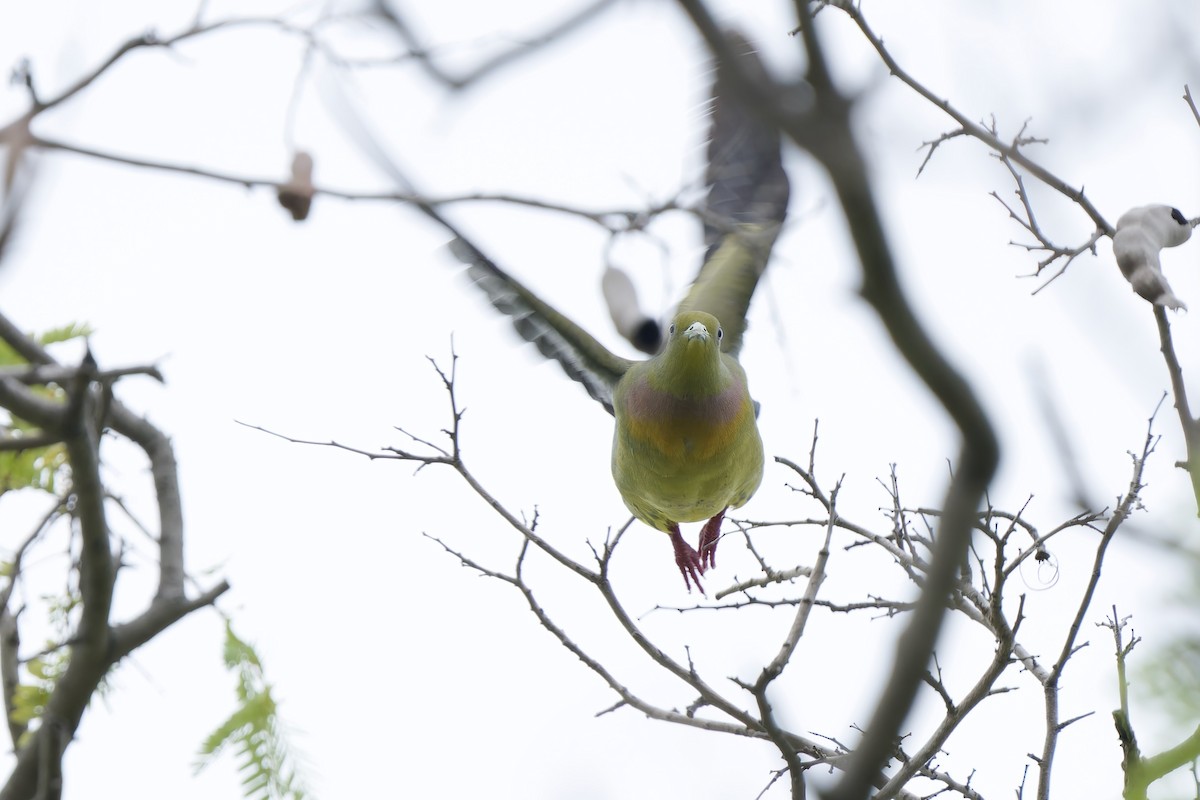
(253, 731)
(65, 333)
(238, 654)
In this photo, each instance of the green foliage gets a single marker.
(41, 468)
(44, 670)
(253, 731)
(30, 698)
(1175, 677)
(11, 358)
(38, 467)
(72, 330)
(1173, 671)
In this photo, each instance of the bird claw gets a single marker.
(690, 564)
(709, 536)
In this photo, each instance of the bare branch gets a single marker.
(955, 714)
(454, 460)
(1125, 507)
(1187, 96)
(1189, 423)
(989, 138)
(1131, 754)
(150, 40)
(614, 220)
(527, 47)
(931, 146)
(775, 668)
(771, 576)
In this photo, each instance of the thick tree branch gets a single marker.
(95, 646)
(157, 448)
(163, 612)
(47, 414)
(54, 373)
(825, 130)
(1148, 770)
(39, 762)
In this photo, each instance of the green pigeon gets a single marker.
(686, 446)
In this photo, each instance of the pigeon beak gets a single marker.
(696, 330)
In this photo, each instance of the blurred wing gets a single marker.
(580, 355)
(747, 201)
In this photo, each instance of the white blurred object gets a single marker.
(627, 315)
(1141, 233)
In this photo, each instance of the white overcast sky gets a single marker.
(401, 673)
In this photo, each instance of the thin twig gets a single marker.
(1128, 504)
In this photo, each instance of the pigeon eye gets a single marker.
(720, 333)
(672, 329)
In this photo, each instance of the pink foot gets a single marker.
(688, 560)
(709, 536)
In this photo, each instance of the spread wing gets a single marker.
(580, 355)
(746, 204)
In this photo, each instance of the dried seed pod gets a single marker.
(296, 195)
